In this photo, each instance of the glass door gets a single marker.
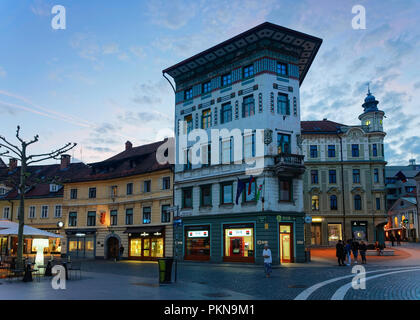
(146, 247)
(286, 242)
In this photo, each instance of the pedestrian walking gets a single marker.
(392, 238)
(339, 252)
(362, 250)
(398, 239)
(121, 252)
(348, 252)
(355, 250)
(267, 260)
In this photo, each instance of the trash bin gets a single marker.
(307, 255)
(165, 269)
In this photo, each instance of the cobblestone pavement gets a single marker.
(197, 280)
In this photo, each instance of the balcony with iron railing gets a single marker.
(288, 163)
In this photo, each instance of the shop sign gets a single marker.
(144, 234)
(261, 242)
(198, 234)
(308, 219)
(278, 218)
(240, 233)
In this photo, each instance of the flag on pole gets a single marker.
(239, 189)
(251, 180)
(260, 187)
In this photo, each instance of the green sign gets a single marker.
(405, 220)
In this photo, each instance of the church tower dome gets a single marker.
(371, 117)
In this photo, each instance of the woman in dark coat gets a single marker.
(339, 252)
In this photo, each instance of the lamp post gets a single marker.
(176, 219)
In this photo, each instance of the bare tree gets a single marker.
(19, 152)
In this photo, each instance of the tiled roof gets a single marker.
(136, 160)
(40, 177)
(322, 126)
(2, 164)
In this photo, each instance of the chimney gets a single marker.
(325, 119)
(65, 161)
(12, 164)
(128, 145)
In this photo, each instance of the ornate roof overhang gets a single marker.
(302, 46)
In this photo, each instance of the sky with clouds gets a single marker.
(99, 82)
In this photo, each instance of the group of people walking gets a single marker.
(344, 251)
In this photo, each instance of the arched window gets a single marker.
(333, 202)
(357, 202)
(315, 203)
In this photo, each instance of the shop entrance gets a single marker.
(316, 234)
(146, 248)
(113, 248)
(197, 243)
(286, 242)
(239, 243)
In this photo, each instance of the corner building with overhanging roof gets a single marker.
(252, 82)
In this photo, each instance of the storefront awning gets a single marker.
(144, 229)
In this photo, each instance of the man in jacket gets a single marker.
(339, 252)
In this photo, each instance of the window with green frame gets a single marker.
(285, 190)
(187, 198)
(226, 193)
(205, 195)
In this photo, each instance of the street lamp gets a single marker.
(176, 222)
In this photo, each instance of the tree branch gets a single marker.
(10, 146)
(53, 154)
(33, 141)
(17, 134)
(10, 149)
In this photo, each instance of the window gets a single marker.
(206, 119)
(227, 193)
(226, 80)
(248, 71)
(72, 219)
(376, 175)
(54, 187)
(147, 215)
(285, 190)
(129, 216)
(313, 151)
(187, 198)
(57, 211)
(205, 196)
(226, 113)
(315, 203)
(166, 183)
(44, 212)
(114, 191)
(114, 217)
(206, 155)
(206, 88)
(187, 164)
(314, 176)
(166, 215)
(32, 212)
(281, 69)
(357, 202)
(248, 107)
(226, 151)
(378, 203)
(283, 106)
(410, 189)
(331, 151)
(249, 146)
(2, 191)
(188, 94)
(283, 143)
(6, 213)
(354, 150)
(147, 186)
(91, 218)
(332, 176)
(375, 150)
(92, 193)
(333, 202)
(251, 196)
(73, 193)
(356, 175)
(129, 188)
(189, 120)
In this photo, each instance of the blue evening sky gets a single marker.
(99, 81)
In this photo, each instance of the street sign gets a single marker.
(405, 221)
(172, 209)
(308, 219)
